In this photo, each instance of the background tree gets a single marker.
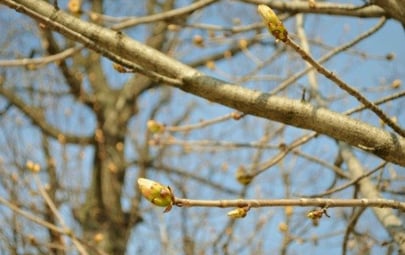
(93, 98)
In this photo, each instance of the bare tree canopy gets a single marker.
(202, 127)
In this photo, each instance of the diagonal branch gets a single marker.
(277, 29)
(349, 89)
(329, 55)
(381, 143)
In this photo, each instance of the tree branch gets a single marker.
(370, 11)
(304, 202)
(388, 146)
(38, 62)
(171, 14)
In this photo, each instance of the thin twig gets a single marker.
(40, 61)
(350, 228)
(205, 123)
(283, 153)
(277, 29)
(172, 14)
(350, 183)
(90, 43)
(329, 55)
(33, 218)
(217, 145)
(378, 102)
(55, 211)
(303, 202)
(325, 7)
(343, 85)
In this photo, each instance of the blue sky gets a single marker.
(362, 73)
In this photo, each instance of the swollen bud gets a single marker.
(316, 214)
(273, 23)
(155, 127)
(243, 176)
(240, 212)
(156, 193)
(120, 68)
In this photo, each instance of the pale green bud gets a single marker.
(237, 213)
(156, 193)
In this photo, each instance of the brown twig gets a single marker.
(32, 217)
(346, 87)
(55, 211)
(285, 149)
(326, 7)
(36, 62)
(350, 228)
(277, 29)
(205, 123)
(350, 183)
(303, 202)
(378, 102)
(172, 14)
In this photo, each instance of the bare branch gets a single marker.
(164, 16)
(303, 202)
(350, 10)
(55, 211)
(349, 89)
(37, 62)
(386, 145)
(329, 55)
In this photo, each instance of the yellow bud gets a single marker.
(198, 40)
(33, 167)
(155, 127)
(243, 176)
(210, 65)
(237, 115)
(61, 138)
(312, 4)
(29, 164)
(173, 27)
(98, 237)
(95, 16)
(316, 214)
(238, 212)
(243, 44)
(74, 6)
(288, 210)
(228, 54)
(156, 193)
(273, 23)
(283, 227)
(119, 68)
(396, 84)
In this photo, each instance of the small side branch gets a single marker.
(277, 29)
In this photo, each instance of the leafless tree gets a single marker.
(298, 133)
